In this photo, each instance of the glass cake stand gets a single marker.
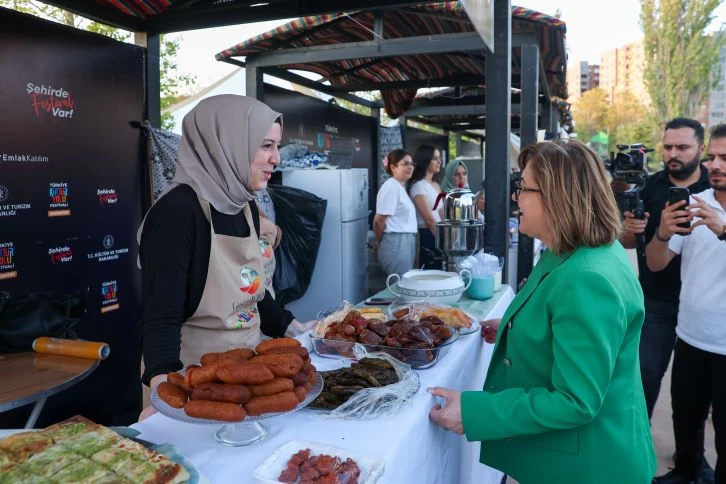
(235, 434)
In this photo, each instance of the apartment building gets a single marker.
(622, 69)
(581, 77)
(714, 110)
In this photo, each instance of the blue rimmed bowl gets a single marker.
(438, 287)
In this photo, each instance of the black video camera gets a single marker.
(630, 164)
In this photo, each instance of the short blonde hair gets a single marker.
(578, 201)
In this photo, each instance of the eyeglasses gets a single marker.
(518, 189)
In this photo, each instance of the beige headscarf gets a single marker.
(220, 136)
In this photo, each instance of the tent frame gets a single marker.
(194, 14)
(535, 99)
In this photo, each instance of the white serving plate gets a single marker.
(371, 467)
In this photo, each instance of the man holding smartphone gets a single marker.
(682, 151)
(699, 362)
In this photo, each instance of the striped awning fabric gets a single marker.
(401, 22)
(139, 8)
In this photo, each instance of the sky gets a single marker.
(592, 27)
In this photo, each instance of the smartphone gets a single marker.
(676, 194)
(378, 301)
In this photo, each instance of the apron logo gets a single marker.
(242, 318)
(250, 280)
(266, 249)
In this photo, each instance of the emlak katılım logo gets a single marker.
(107, 196)
(9, 209)
(60, 255)
(50, 100)
(59, 194)
(7, 260)
(109, 296)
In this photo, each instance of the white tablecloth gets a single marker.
(414, 449)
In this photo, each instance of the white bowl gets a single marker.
(427, 285)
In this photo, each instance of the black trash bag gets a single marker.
(26, 317)
(300, 215)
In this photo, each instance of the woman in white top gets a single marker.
(394, 223)
(424, 191)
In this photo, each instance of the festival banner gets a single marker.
(71, 195)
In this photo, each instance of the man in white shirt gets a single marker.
(699, 361)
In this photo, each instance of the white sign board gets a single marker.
(481, 14)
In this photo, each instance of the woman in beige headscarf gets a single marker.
(201, 252)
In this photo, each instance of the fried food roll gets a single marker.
(208, 358)
(300, 392)
(298, 350)
(308, 367)
(299, 378)
(222, 392)
(268, 344)
(203, 374)
(228, 412)
(240, 354)
(280, 402)
(271, 387)
(246, 373)
(283, 365)
(178, 380)
(171, 394)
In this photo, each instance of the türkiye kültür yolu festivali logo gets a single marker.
(59, 194)
(48, 99)
(109, 296)
(7, 260)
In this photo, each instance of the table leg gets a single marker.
(37, 408)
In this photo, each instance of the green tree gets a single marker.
(591, 113)
(452, 145)
(681, 61)
(629, 121)
(172, 81)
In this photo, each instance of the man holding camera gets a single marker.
(697, 232)
(682, 150)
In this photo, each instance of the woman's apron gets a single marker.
(268, 233)
(227, 316)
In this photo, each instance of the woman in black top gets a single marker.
(200, 249)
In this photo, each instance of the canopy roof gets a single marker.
(159, 16)
(399, 75)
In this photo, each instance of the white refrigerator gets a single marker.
(341, 267)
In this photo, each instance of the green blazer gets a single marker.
(563, 400)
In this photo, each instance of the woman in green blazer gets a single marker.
(563, 400)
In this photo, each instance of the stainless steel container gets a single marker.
(460, 205)
(458, 239)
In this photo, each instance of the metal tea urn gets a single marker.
(459, 233)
